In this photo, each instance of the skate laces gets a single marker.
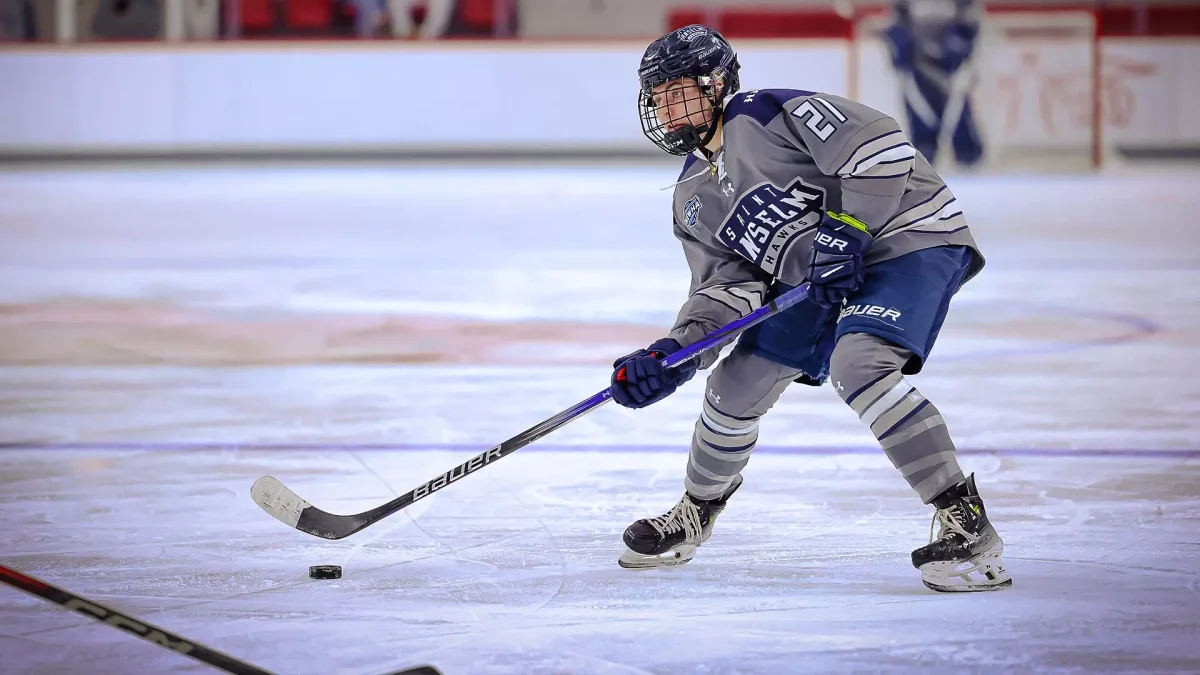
(951, 520)
(683, 515)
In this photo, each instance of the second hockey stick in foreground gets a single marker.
(112, 617)
(149, 632)
(286, 506)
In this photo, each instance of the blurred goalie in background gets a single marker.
(932, 43)
(16, 21)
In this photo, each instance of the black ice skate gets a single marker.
(965, 556)
(672, 538)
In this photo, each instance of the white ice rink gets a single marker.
(168, 335)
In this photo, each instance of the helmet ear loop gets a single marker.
(716, 97)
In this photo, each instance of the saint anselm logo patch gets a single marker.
(768, 219)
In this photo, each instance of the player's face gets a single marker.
(680, 103)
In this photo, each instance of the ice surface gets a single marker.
(173, 334)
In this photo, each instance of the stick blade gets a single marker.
(276, 499)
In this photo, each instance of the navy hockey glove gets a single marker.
(639, 379)
(836, 268)
(957, 42)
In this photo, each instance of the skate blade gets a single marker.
(982, 573)
(679, 555)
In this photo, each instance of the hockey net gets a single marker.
(1034, 87)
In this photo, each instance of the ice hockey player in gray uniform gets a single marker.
(780, 187)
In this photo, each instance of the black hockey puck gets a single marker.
(325, 572)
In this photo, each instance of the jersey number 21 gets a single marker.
(815, 120)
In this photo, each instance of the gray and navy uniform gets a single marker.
(747, 221)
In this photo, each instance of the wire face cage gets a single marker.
(680, 115)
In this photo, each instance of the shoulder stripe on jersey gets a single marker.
(891, 161)
(882, 176)
(883, 135)
(943, 227)
(871, 146)
(941, 232)
(829, 106)
(928, 213)
(901, 152)
(905, 212)
(890, 169)
(942, 215)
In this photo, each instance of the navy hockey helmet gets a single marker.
(701, 54)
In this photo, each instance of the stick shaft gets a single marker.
(580, 409)
(141, 629)
(308, 518)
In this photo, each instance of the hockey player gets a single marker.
(781, 186)
(931, 42)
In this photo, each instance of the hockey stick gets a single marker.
(286, 506)
(148, 632)
(956, 104)
(111, 617)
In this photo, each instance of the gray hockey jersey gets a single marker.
(749, 217)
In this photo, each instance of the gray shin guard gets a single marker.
(865, 371)
(740, 390)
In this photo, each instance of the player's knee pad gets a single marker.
(865, 371)
(861, 361)
(739, 392)
(744, 386)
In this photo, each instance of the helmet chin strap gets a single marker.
(718, 111)
(712, 129)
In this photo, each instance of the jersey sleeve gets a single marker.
(863, 147)
(724, 287)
